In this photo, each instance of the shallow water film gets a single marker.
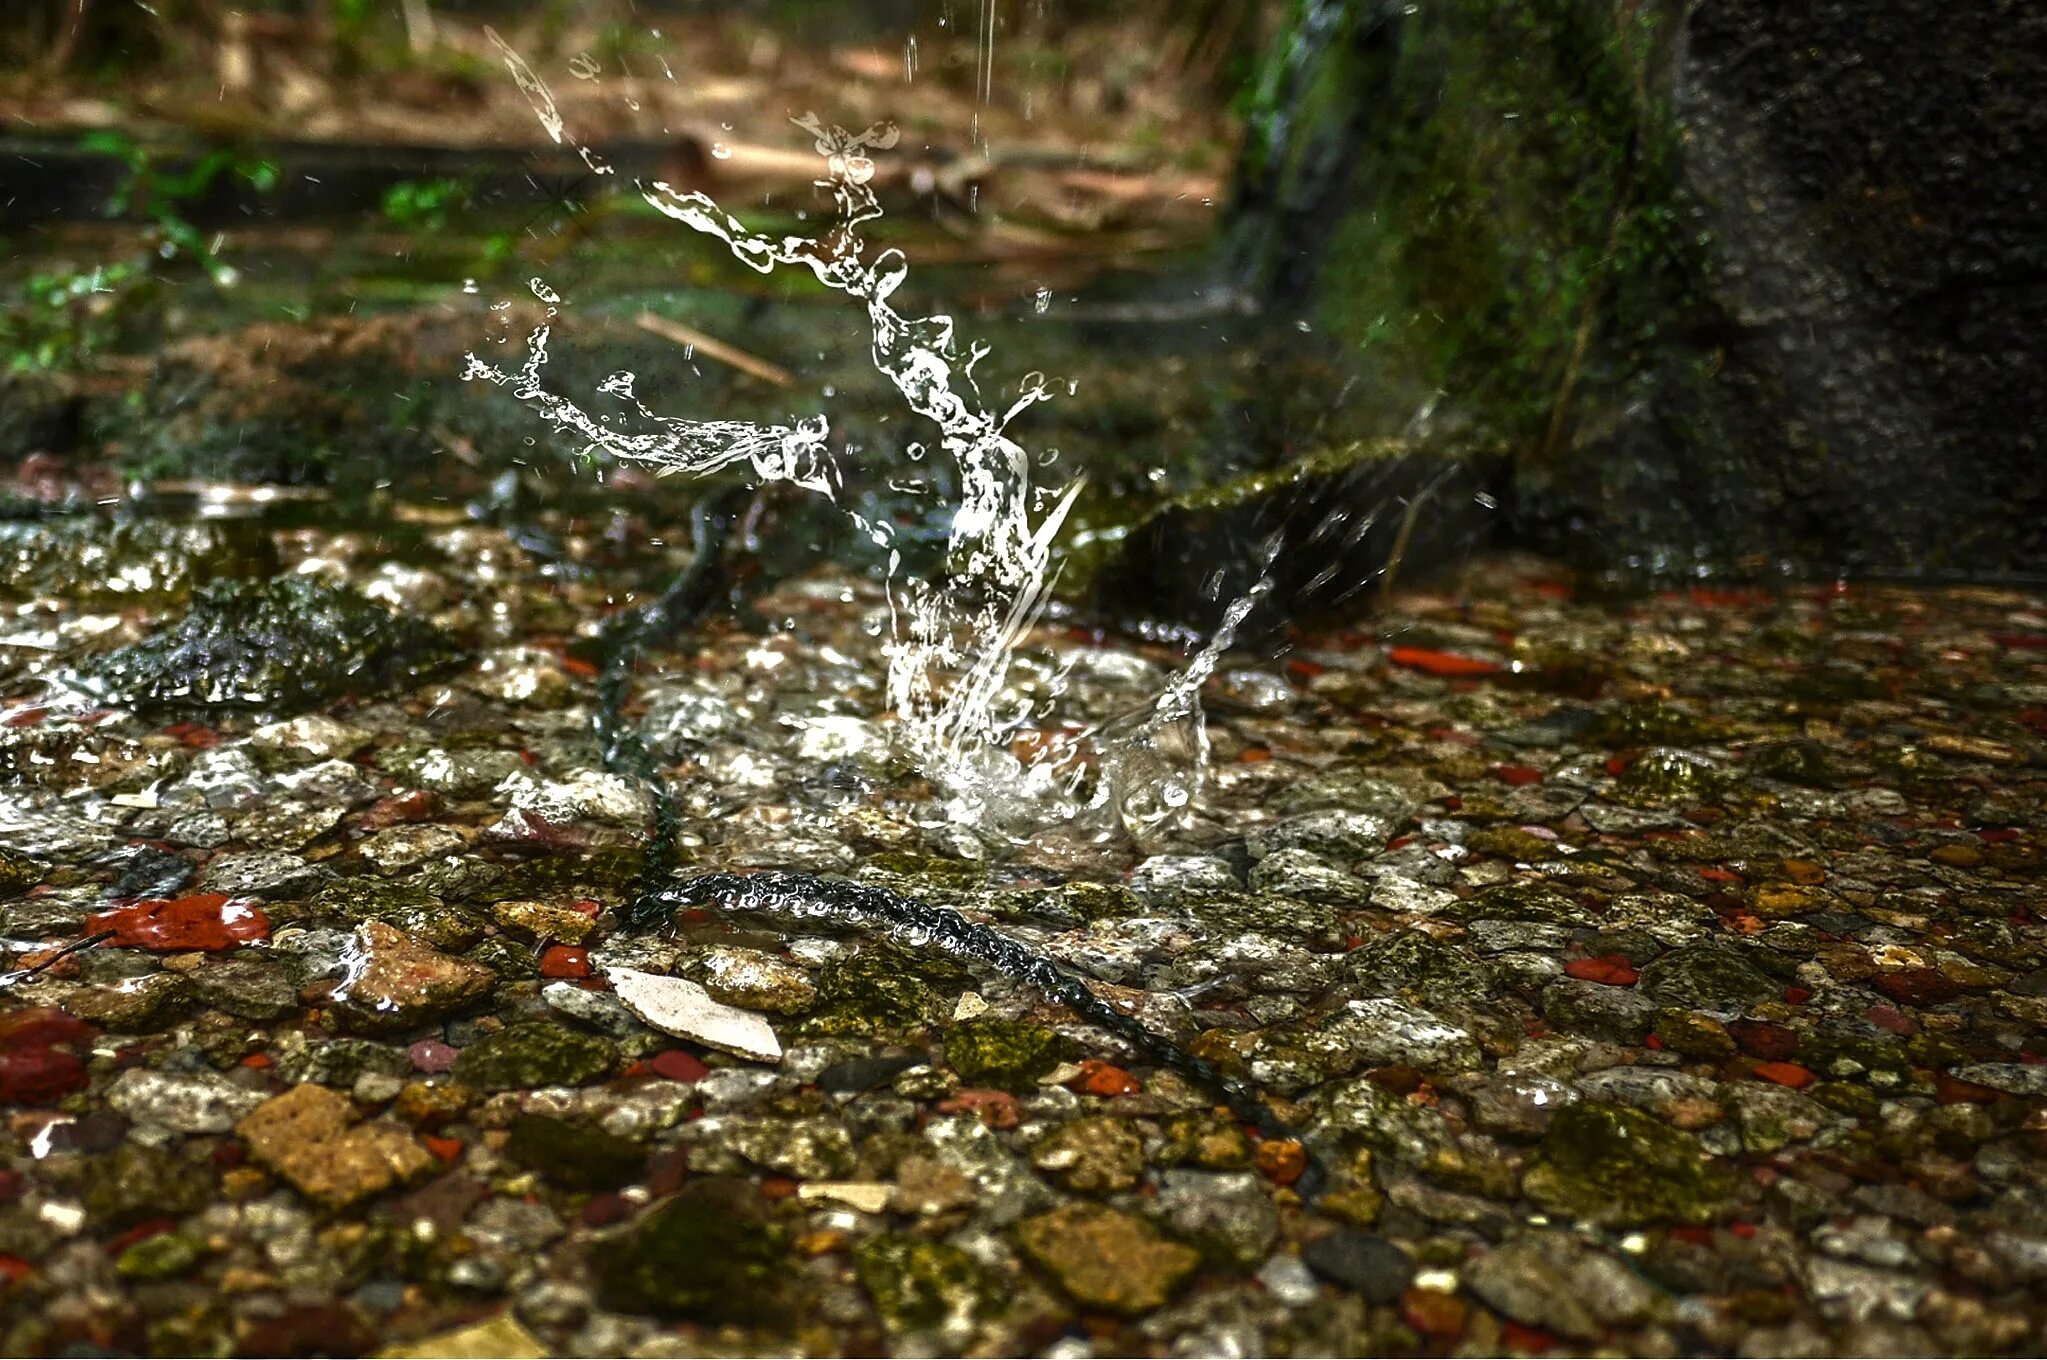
(996, 679)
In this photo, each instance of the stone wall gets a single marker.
(1745, 286)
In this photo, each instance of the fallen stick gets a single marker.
(749, 364)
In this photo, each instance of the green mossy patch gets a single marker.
(921, 1285)
(1618, 1167)
(279, 646)
(399, 903)
(990, 1051)
(535, 1053)
(709, 1254)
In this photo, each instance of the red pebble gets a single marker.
(667, 1169)
(432, 1056)
(141, 1232)
(603, 1209)
(1449, 665)
(1521, 1337)
(197, 736)
(1761, 1039)
(565, 961)
(1432, 1312)
(14, 1270)
(1102, 1079)
(42, 1026)
(1797, 996)
(414, 805)
(1518, 775)
(1612, 970)
(1785, 1074)
(997, 1109)
(205, 921)
(447, 1149)
(39, 1076)
(675, 1064)
(1917, 986)
(1952, 1090)
(1281, 1160)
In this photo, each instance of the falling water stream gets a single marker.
(955, 637)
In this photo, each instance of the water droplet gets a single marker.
(1041, 299)
(720, 151)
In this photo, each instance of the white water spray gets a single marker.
(955, 639)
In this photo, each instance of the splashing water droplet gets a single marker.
(1041, 300)
(954, 639)
(720, 151)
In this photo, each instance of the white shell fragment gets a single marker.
(869, 1197)
(680, 1007)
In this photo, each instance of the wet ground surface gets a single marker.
(1658, 975)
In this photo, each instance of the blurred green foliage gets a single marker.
(60, 318)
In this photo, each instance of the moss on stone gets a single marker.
(400, 903)
(1618, 1167)
(535, 1053)
(19, 873)
(1666, 777)
(283, 645)
(880, 991)
(921, 1285)
(991, 1051)
(709, 1254)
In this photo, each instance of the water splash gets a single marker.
(954, 639)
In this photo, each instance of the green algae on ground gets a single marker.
(1618, 1167)
(991, 1051)
(399, 903)
(880, 990)
(140, 1182)
(920, 1285)
(19, 873)
(599, 874)
(163, 1256)
(283, 645)
(535, 1053)
(709, 1254)
(1664, 776)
